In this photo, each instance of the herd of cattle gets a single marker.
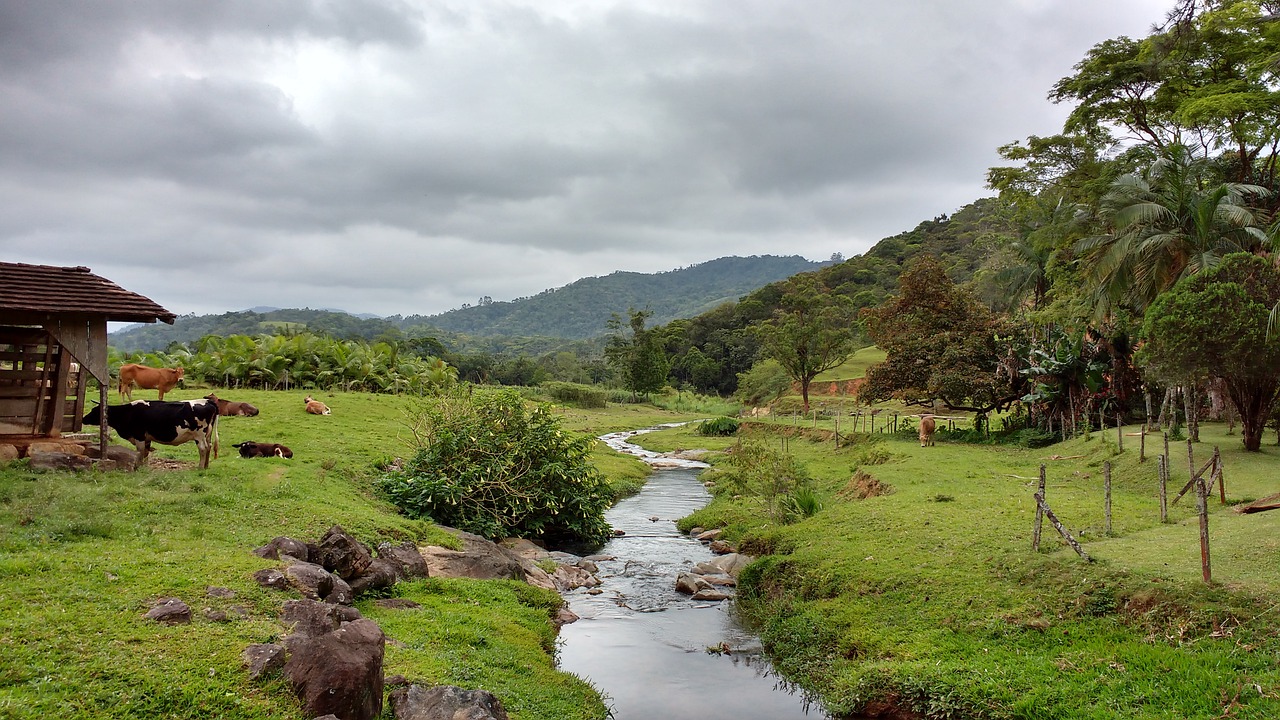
(143, 422)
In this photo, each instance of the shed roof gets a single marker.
(50, 289)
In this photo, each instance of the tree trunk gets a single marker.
(1253, 400)
(804, 393)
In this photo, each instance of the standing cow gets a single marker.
(143, 422)
(927, 426)
(162, 379)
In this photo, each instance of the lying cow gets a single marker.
(230, 407)
(250, 449)
(162, 379)
(315, 407)
(143, 422)
(927, 426)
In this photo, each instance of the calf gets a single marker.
(143, 422)
(927, 426)
(162, 379)
(315, 407)
(250, 449)
(231, 407)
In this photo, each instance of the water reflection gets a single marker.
(651, 650)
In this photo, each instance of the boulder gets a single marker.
(262, 658)
(710, 535)
(571, 577)
(313, 581)
(711, 595)
(538, 577)
(217, 616)
(730, 564)
(526, 549)
(8, 453)
(339, 552)
(720, 547)
(405, 556)
(63, 461)
(41, 447)
(479, 558)
(124, 458)
(342, 594)
(445, 702)
(339, 672)
(283, 546)
(688, 583)
(380, 573)
(564, 616)
(214, 591)
(306, 618)
(170, 611)
(271, 578)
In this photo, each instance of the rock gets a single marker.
(696, 531)
(271, 578)
(283, 546)
(526, 549)
(171, 611)
(689, 583)
(217, 616)
(342, 554)
(262, 658)
(8, 453)
(600, 558)
(711, 595)
(408, 561)
(589, 566)
(570, 577)
(342, 594)
(123, 457)
(710, 535)
(214, 591)
(595, 591)
(238, 611)
(41, 447)
(62, 461)
(395, 681)
(721, 547)
(565, 616)
(380, 573)
(479, 558)
(396, 604)
(720, 580)
(313, 581)
(538, 577)
(445, 702)
(309, 618)
(732, 563)
(339, 672)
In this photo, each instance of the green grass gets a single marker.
(82, 556)
(943, 608)
(855, 367)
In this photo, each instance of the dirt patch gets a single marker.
(862, 486)
(167, 464)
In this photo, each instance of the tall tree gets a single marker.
(1214, 325)
(639, 357)
(811, 331)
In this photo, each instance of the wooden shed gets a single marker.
(53, 336)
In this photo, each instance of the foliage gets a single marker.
(773, 477)
(1213, 325)
(488, 464)
(719, 427)
(811, 331)
(639, 359)
(942, 344)
(577, 395)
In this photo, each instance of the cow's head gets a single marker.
(94, 417)
(177, 373)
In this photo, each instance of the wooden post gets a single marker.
(1191, 463)
(1166, 451)
(1053, 520)
(1202, 506)
(837, 431)
(1119, 433)
(873, 422)
(1164, 488)
(1194, 476)
(1217, 470)
(1035, 531)
(1142, 444)
(1106, 482)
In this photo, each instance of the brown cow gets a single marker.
(231, 407)
(315, 407)
(162, 379)
(927, 426)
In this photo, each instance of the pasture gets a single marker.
(83, 556)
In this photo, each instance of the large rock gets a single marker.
(62, 461)
(313, 581)
(479, 558)
(339, 672)
(381, 573)
(405, 556)
(262, 658)
(730, 565)
(571, 577)
(445, 702)
(124, 458)
(8, 453)
(171, 611)
(283, 547)
(341, 553)
(41, 447)
(308, 618)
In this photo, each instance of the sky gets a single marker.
(404, 157)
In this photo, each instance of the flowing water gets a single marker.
(644, 645)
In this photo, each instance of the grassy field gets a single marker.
(930, 597)
(83, 556)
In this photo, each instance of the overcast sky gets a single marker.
(408, 157)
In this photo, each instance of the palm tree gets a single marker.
(1168, 222)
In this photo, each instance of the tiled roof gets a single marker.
(53, 289)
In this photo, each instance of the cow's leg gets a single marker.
(202, 442)
(144, 449)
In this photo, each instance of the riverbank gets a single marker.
(927, 600)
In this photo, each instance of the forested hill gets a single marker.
(581, 309)
(578, 310)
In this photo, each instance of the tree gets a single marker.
(942, 344)
(640, 359)
(1214, 325)
(811, 331)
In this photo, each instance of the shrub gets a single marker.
(583, 396)
(720, 427)
(774, 477)
(492, 466)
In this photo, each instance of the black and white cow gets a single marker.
(143, 422)
(251, 449)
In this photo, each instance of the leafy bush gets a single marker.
(583, 396)
(720, 427)
(775, 477)
(492, 466)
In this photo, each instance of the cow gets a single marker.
(927, 426)
(143, 422)
(250, 449)
(162, 379)
(230, 407)
(315, 407)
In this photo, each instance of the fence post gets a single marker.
(1191, 463)
(1119, 433)
(1164, 488)
(1217, 470)
(1142, 444)
(837, 431)
(1035, 532)
(1106, 475)
(1202, 506)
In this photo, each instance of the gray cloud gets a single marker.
(405, 157)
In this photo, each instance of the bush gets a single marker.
(583, 396)
(490, 465)
(720, 427)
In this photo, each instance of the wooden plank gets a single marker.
(1053, 520)
(21, 375)
(18, 408)
(19, 391)
(1270, 502)
(15, 356)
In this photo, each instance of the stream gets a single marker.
(641, 643)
